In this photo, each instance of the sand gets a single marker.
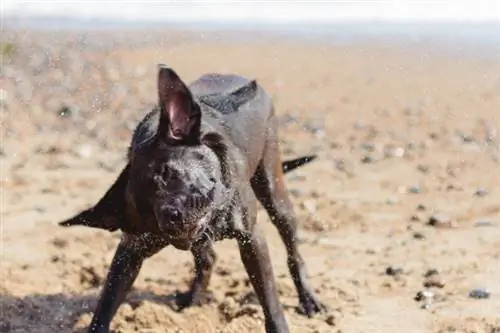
(404, 132)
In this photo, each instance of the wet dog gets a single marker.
(197, 167)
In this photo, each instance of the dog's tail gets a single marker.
(290, 165)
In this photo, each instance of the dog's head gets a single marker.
(178, 177)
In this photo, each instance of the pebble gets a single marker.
(431, 272)
(367, 159)
(418, 235)
(433, 279)
(424, 295)
(84, 151)
(330, 320)
(440, 221)
(423, 168)
(394, 152)
(66, 111)
(414, 189)
(421, 207)
(481, 192)
(479, 294)
(393, 271)
(415, 218)
(484, 223)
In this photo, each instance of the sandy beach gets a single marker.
(399, 215)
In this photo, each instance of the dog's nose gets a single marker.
(174, 213)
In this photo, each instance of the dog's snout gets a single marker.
(174, 210)
(174, 214)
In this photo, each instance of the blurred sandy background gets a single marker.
(403, 200)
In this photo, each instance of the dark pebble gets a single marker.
(414, 189)
(423, 168)
(421, 207)
(479, 294)
(431, 272)
(481, 192)
(330, 320)
(440, 221)
(415, 218)
(424, 295)
(418, 235)
(367, 159)
(393, 271)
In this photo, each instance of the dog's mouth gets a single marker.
(184, 238)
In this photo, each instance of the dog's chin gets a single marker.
(184, 238)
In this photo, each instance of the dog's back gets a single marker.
(244, 108)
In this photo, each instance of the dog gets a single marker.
(198, 165)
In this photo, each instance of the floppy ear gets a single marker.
(109, 213)
(180, 115)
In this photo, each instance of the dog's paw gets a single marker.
(309, 305)
(188, 299)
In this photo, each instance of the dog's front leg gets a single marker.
(127, 262)
(198, 294)
(255, 256)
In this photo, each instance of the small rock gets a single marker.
(414, 189)
(440, 221)
(424, 295)
(484, 223)
(421, 207)
(84, 151)
(60, 243)
(479, 294)
(394, 152)
(330, 320)
(367, 159)
(415, 218)
(418, 235)
(66, 111)
(431, 272)
(393, 271)
(423, 168)
(433, 280)
(481, 192)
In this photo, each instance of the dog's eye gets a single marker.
(212, 180)
(165, 174)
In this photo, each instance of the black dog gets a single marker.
(197, 166)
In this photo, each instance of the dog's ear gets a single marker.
(232, 101)
(109, 213)
(244, 94)
(180, 115)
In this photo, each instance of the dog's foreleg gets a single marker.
(125, 267)
(198, 294)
